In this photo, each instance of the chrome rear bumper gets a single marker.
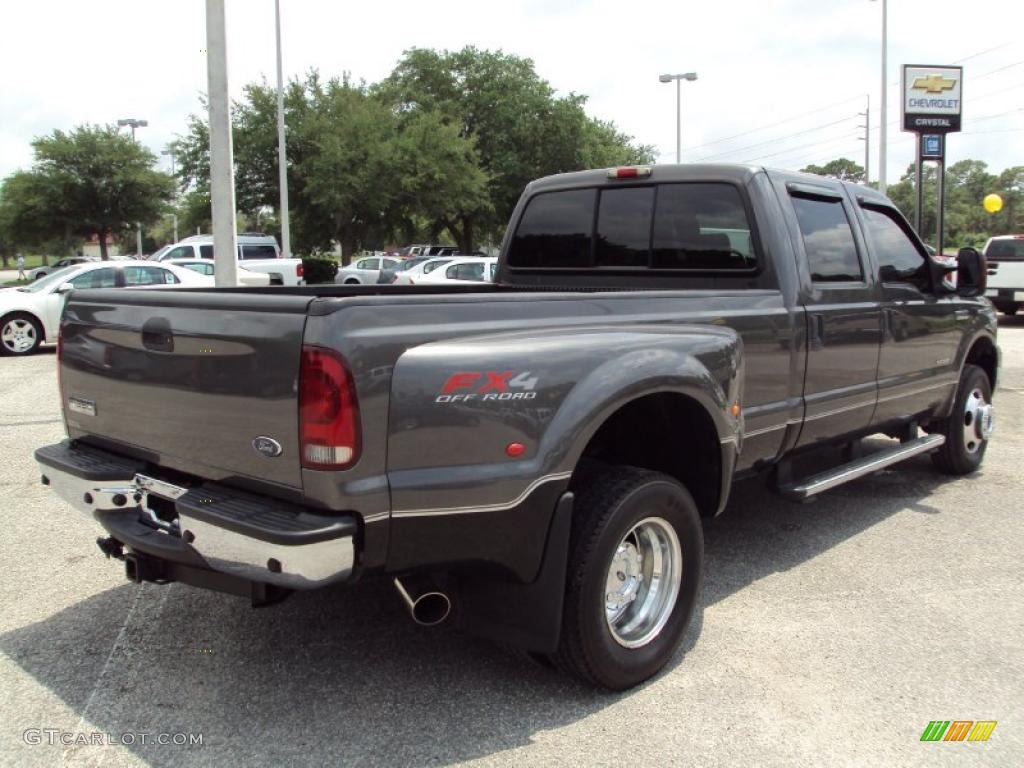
(229, 531)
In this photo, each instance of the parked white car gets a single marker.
(206, 267)
(258, 253)
(463, 270)
(417, 272)
(38, 272)
(365, 271)
(30, 315)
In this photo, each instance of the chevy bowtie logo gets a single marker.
(933, 84)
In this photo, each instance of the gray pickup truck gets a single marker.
(535, 455)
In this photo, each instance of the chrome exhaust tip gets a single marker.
(428, 607)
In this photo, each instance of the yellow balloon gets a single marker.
(993, 203)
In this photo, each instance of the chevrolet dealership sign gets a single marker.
(931, 98)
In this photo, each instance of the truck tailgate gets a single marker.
(187, 379)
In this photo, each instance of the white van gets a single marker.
(258, 253)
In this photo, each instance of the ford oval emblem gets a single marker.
(267, 446)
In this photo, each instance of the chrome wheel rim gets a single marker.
(643, 582)
(18, 335)
(979, 421)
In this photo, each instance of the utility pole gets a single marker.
(222, 178)
(866, 138)
(882, 108)
(282, 161)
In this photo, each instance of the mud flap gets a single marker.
(527, 616)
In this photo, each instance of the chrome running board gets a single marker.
(812, 486)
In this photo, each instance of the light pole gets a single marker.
(881, 109)
(222, 176)
(174, 215)
(679, 108)
(133, 123)
(282, 163)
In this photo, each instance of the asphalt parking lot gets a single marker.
(829, 634)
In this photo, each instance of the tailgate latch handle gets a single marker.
(157, 336)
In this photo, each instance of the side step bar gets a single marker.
(812, 486)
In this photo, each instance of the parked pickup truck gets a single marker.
(534, 454)
(1004, 257)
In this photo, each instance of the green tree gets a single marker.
(841, 168)
(1010, 186)
(522, 130)
(89, 181)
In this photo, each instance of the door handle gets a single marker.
(817, 331)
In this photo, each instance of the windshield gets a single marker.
(52, 280)
(156, 256)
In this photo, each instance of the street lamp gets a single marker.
(679, 107)
(133, 123)
(170, 154)
(282, 161)
(881, 109)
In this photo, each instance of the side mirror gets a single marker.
(65, 288)
(971, 273)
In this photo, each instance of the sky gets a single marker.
(780, 82)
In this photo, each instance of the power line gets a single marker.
(831, 140)
(775, 140)
(771, 125)
(982, 53)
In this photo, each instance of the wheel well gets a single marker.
(665, 432)
(983, 355)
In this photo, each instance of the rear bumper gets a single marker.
(206, 527)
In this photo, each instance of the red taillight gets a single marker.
(299, 271)
(630, 172)
(328, 412)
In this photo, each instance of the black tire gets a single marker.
(954, 458)
(1007, 308)
(608, 506)
(20, 318)
(352, 281)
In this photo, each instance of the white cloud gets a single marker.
(65, 63)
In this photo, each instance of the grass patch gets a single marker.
(16, 283)
(31, 261)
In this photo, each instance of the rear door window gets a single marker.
(828, 240)
(148, 276)
(205, 252)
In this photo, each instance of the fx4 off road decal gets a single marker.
(487, 386)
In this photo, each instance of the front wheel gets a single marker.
(20, 334)
(969, 426)
(635, 562)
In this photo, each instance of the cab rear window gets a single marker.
(701, 227)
